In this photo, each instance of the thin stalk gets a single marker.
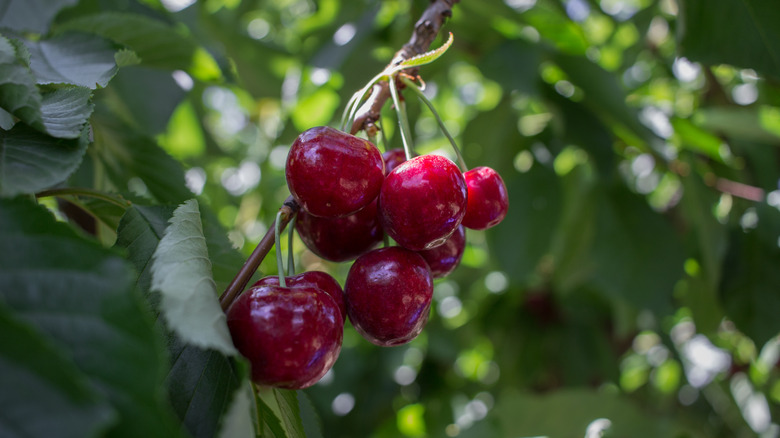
(279, 262)
(403, 121)
(92, 193)
(290, 255)
(411, 85)
(382, 132)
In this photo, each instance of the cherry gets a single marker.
(343, 238)
(388, 293)
(317, 279)
(488, 200)
(393, 158)
(422, 202)
(290, 335)
(446, 257)
(331, 173)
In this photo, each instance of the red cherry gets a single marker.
(331, 173)
(445, 258)
(388, 294)
(316, 279)
(488, 200)
(393, 158)
(343, 238)
(422, 202)
(291, 336)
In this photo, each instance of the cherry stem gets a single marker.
(410, 84)
(403, 121)
(75, 191)
(290, 255)
(279, 262)
(234, 289)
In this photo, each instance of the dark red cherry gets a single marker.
(331, 173)
(291, 336)
(342, 238)
(422, 202)
(317, 279)
(445, 258)
(388, 293)
(393, 158)
(488, 200)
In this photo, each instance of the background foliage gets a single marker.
(634, 283)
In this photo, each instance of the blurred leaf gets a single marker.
(557, 28)
(19, 94)
(145, 115)
(201, 386)
(697, 139)
(709, 35)
(540, 415)
(637, 256)
(31, 161)
(316, 109)
(44, 393)
(526, 233)
(181, 272)
(237, 422)
(711, 240)
(751, 278)
(73, 58)
(270, 425)
(157, 43)
(31, 15)
(738, 122)
(283, 403)
(126, 153)
(93, 313)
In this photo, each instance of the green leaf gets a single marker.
(18, 93)
(31, 161)
(73, 58)
(38, 378)
(157, 44)
(425, 58)
(282, 407)
(526, 415)
(237, 422)
(201, 382)
(181, 272)
(751, 278)
(742, 33)
(31, 15)
(66, 110)
(636, 254)
(270, 425)
(87, 306)
(201, 385)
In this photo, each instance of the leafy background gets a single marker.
(633, 288)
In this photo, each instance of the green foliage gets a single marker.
(634, 279)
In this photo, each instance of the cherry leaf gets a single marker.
(425, 58)
(181, 273)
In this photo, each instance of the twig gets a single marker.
(286, 213)
(425, 31)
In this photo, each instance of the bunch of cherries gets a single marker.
(350, 196)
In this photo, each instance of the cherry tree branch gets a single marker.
(425, 31)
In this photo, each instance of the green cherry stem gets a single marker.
(279, 262)
(403, 121)
(290, 255)
(411, 85)
(74, 191)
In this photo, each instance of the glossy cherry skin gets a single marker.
(291, 336)
(342, 238)
(317, 279)
(388, 293)
(446, 257)
(393, 158)
(422, 202)
(331, 173)
(488, 200)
